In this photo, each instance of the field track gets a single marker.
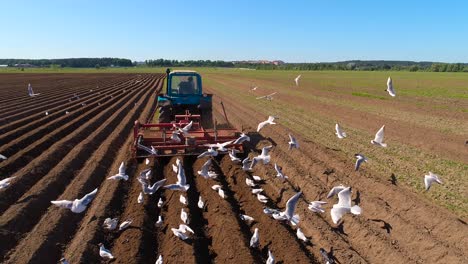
(64, 156)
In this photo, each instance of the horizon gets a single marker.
(294, 32)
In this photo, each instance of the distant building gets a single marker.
(24, 65)
(275, 62)
(3, 66)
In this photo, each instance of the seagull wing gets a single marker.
(181, 175)
(335, 190)
(63, 203)
(157, 185)
(261, 125)
(266, 150)
(390, 89)
(358, 163)
(291, 205)
(338, 212)
(187, 127)
(379, 136)
(122, 168)
(344, 198)
(88, 197)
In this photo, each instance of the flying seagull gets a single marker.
(211, 152)
(297, 80)
(221, 147)
(151, 151)
(233, 157)
(279, 172)
(390, 89)
(359, 159)
(288, 213)
(185, 129)
(264, 156)
(269, 97)
(31, 92)
(77, 205)
(6, 182)
(270, 121)
(121, 175)
(339, 132)
(243, 137)
(431, 178)
(379, 138)
(246, 164)
(147, 189)
(316, 206)
(335, 190)
(181, 184)
(292, 142)
(205, 172)
(344, 206)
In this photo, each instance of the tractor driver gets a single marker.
(187, 87)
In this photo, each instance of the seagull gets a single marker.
(184, 216)
(316, 206)
(288, 213)
(270, 121)
(181, 231)
(344, 206)
(360, 158)
(66, 112)
(326, 257)
(269, 97)
(390, 89)
(431, 178)
(221, 147)
(379, 137)
(262, 198)
(110, 224)
(6, 182)
(205, 173)
(271, 258)
(221, 193)
(140, 199)
(243, 137)
(185, 129)
(301, 235)
(160, 221)
(153, 188)
(264, 156)
(181, 184)
(159, 260)
(46, 113)
(216, 187)
(31, 92)
(160, 203)
(249, 182)
(292, 142)
(121, 175)
(254, 241)
(280, 173)
(64, 261)
(151, 151)
(200, 204)
(254, 88)
(232, 155)
(182, 200)
(270, 211)
(2, 157)
(247, 218)
(256, 178)
(257, 191)
(339, 132)
(145, 175)
(335, 190)
(210, 152)
(104, 253)
(175, 137)
(77, 205)
(124, 225)
(297, 80)
(246, 164)
(147, 161)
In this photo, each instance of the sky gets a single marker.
(292, 30)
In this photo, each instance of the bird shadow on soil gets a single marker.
(357, 200)
(386, 225)
(27, 198)
(393, 179)
(339, 229)
(255, 138)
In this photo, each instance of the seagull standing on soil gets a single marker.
(280, 173)
(262, 198)
(390, 89)
(64, 261)
(160, 221)
(182, 200)
(297, 80)
(301, 235)
(160, 203)
(254, 241)
(159, 260)
(246, 218)
(110, 223)
(220, 191)
(292, 142)
(140, 199)
(184, 216)
(181, 184)
(77, 205)
(121, 175)
(104, 253)
(379, 137)
(125, 224)
(181, 231)
(270, 121)
(200, 204)
(431, 178)
(339, 132)
(205, 172)
(344, 206)
(271, 258)
(316, 206)
(288, 213)
(359, 159)
(2, 157)
(6, 182)
(31, 92)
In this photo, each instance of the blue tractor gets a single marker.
(184, 94)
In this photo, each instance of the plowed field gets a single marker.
(64, 156)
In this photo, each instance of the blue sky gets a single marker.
(293, 31)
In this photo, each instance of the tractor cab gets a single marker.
(184, 93)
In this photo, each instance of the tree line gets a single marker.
(71, 62)
(188, 63)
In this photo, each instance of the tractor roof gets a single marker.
(183, 71)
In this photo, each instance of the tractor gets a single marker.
(185, 124)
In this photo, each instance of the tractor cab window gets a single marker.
(184, 85)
